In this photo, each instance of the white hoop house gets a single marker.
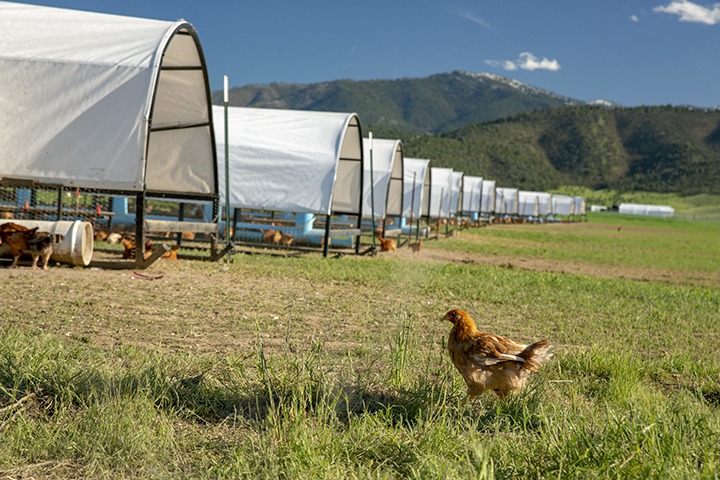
(102, 101)
(487, 203)
(472, 195)
(387, 160)
(292, 160)
(416, 187)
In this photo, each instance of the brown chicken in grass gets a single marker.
(417, 246)
(491, 362)
(387, 244)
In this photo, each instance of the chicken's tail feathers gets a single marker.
(536, 355)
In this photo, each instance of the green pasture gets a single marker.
(336, 368)
(606, 239)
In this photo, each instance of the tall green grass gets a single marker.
(352, 380)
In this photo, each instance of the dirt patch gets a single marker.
(191, 307)
(704, 279)
(207, 308)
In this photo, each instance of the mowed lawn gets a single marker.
(304, 367)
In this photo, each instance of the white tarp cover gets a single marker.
(534, 204)
(643, 209)
(416, 186)
(441, 184)
(291, 160)
(487, 204)
(579, 206)
(506, 201)
(387, 178)
(472, 193)
(456, 193)
(563, 205)
(78, 93)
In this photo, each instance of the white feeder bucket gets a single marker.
(76, 245)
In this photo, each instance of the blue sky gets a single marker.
(632, 52)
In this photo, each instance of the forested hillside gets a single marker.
(663, 149)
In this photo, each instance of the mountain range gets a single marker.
(435, 104)
(520, 135)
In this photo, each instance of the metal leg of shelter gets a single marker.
(181, 217)
(59, 204)
(326, 245)
(213, 237)
(236, 217)
(357, 238)
(139, 230)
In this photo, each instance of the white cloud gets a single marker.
(634, 18)
(691, 12)
(468, 15)
(526, 61)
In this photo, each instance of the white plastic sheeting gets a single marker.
(472, 194)
(563, 205)
(534, 204)
(506, 201)
(103, 101)
(487, 205)
(440, 192)
(416, 187)
(579, 206)
(456, 193)
(291, 160)
(642, 209)
(387, 178)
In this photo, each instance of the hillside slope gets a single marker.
(434, 104)
(663, 149)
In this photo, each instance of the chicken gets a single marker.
(100, 235)
(114, 238)
(387, 244)
(287, 239)
(417, 246)
(272, 236)
(15, 237)
(20, 239)
(172, 253)
(40, 244)
(130, 245)
(488, 361)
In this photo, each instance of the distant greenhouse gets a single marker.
(650, 210)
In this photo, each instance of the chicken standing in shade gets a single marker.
(488, 361)
(15, 237)
(40, 244)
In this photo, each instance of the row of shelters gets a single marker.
(109, 119)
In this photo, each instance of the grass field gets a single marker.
(304, 367)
